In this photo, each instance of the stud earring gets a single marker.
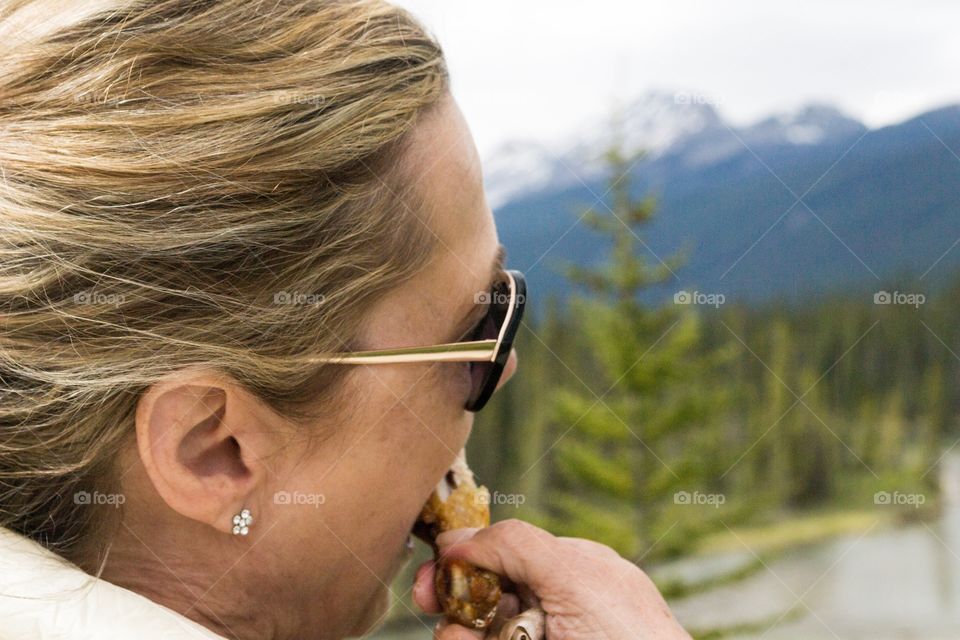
(242, 522)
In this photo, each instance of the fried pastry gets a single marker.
(467, 594)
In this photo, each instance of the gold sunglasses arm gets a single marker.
(474, 351)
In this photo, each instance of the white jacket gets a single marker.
(44, 597)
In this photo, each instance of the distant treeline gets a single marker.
(650, 427)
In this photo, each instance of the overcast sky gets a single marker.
(540, 68)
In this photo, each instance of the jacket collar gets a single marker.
(45, 597)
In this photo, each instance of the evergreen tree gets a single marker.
(640, 425)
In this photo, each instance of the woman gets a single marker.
(204, 203)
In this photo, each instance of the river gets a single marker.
(890, 583)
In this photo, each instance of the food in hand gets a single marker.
(467, 594)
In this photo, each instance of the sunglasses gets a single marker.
(486, 348)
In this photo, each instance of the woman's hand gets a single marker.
(586, 589)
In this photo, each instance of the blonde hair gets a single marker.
(190, 183)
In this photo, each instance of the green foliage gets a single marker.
(634, 435)
(841, 398)
(619, 405)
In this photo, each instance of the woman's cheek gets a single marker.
(461, 381)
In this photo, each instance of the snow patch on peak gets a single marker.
(804, 134)
(662, 124)
(654, 122)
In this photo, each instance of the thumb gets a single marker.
(455, 535)
(512, 548)
(450, 631)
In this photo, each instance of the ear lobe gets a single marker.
(195, 450)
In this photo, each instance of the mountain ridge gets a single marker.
(660, 123)
(875, 206)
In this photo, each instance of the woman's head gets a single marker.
(198, 196)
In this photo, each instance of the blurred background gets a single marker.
(740, 363)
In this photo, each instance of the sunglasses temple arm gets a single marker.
(475, 351)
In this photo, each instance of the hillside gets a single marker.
(796, 204)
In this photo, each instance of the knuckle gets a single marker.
(512, 525)
(598, 548)
(510, 533)
(637, 578)
(515, 528)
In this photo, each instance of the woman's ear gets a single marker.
(202, 440)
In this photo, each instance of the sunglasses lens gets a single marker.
(482, 372)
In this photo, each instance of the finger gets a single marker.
(508, 607)
(456, 535)
(589, 546)
(424, 593)
(515, 549)
(450, 631)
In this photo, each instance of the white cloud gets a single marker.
(539, 68)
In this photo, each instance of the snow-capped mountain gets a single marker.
(795, 204)
(683, 125)
(808, 125)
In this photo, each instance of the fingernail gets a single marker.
(419, 582)
(422, 570)
(418, 594)
(447, 538)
